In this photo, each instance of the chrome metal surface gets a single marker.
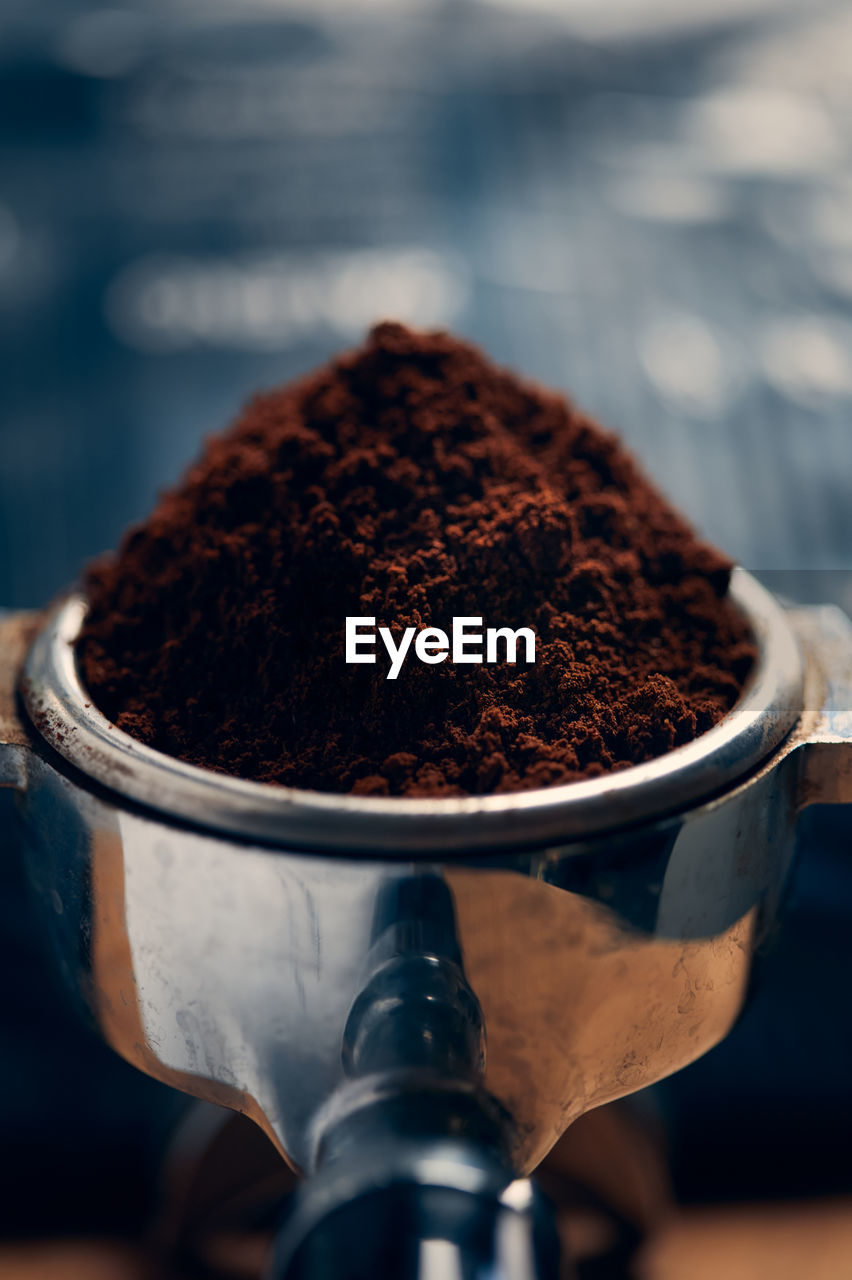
(16, 635)
(825, 726)
(480, 1224)
(58, 704)
(600, 960)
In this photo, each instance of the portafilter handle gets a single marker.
(419, 1230)
(412, 1181)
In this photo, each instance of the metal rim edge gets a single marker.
(58, 707)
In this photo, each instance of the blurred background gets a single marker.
(647, 203)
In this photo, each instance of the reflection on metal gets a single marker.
(490, 961)
(440, 1260)
(581, 1009)
(16, 634)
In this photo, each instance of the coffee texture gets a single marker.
(412, 481)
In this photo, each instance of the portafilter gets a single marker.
(414, 998)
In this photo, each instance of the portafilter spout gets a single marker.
(415, 998)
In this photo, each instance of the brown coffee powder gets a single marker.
(412, 481)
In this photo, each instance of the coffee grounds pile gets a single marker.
(412, 481)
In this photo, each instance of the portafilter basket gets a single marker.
(414, 998)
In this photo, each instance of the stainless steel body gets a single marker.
(227, 966)
(220, 932)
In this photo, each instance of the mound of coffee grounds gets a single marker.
(412, 481)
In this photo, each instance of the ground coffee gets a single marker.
(412, 481)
